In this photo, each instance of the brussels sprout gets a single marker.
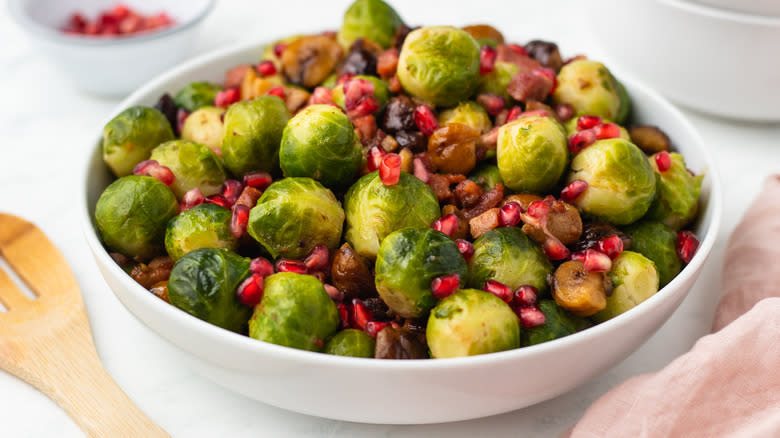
(558, 323)
(330, 81)
(657, 242)
(132, 213)
(407, 262)
(497, 81)
(467, 113)
(193, 164)
(625, 104)
(130, 137)
(351, 342)
(205, 126)
(634, 279)
(590, 88)
(508, 256)
(320, 142)
(203, 283)
(375, 210)
(295, 312)
(532, 154)
(253, 131)
(293, 216)
(196, 95)
(677, 198)
(203, 226)
(471, 322)
(621, 183)
(381, 91)
(486, 175)
(439, 64)
(374, 20)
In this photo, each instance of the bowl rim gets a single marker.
(722, 14)
(55, 35)
(207, 331)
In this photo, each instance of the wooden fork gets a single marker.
(47, 341)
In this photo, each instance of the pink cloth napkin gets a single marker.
(728, 385)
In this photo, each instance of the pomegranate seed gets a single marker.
(318, 258)
(295, 266)
(509, 214)
(266, 68)
(447, 224)
(258, 180)
(587, 122)
(425, 120)
(493, 103)
(374, 327)
(321, 95)
(487, 59)
(444, 286)
(359, 99)
(231, 190)
(239, 220)
(520, 50)
(595, 261)
(573, 190)
(250, 292)
(498, 289)
(466, 248)
(535, 113)
(181, 117)
(420, 171)
(526, 295)
(531, 316)
(555, 250)
(261, 266)
(343, 315)
(155, 170)
(360, 314)
(514, 114)
(279, 48)
(687, 245)
(663, 160)
(549, 74)
(219, 200)
(538, 209)
(564, 111)
(192, 198)
(390, 169)
(227, 97)
(580, 140)
(277, 91)
(606, 130)
(612, 246)
(374, 157)
(333, 292)
(344, 78)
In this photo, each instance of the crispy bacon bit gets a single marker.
(488, 200)
(526, 86)
(467, 193)
(483, 223)
(387, 63)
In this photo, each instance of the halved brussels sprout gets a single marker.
(205, 126)
(558, 323)
(677, 198)
(532, 154)
(408, 261)
(130, 137)
(439, 64)
(381, 91)
(508, 256)
(486, 175)
(351, 342)
(621, 183)
(375, 210)
(293, 216)
(471, 322)
(131, 215)
(196, 95)
(193, 165)
(374, 20)
(634, 279)
(203, 226)
(467, 113)
(320, 142)
(657, 242)
(590, 88)
(497, 81)
(295, 312)
(253, 131)
(203, 283)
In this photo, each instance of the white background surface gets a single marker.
(46, 128)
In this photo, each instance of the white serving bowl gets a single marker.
(401, 392)
(110, 66)
(709, 59)
(757, 7)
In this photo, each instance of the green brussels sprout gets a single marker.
(132, 213)
(293, 216)
(439, 64)
(375, 210)
(634, 279)
(193, 165)
(558, 323)
(203, 226)
(253, 131)
(677, 197)
(205, 126)
(374, 20)
(621, 183)
(657, 242)
(381, 91)
(486, 175)
(295, 312)
(467, 113)
(532, 153)
(471, 322)
(497, 81)
(130, 137)
(320, 142)
(203, 283)
(408, 261)
(196, 95)
(351, 342)
(330, 81)
(508, 256)
(625, 104)
(590, 88)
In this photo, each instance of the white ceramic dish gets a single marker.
(757, 7)
(110, 66)
(401, 392)
(709, 59)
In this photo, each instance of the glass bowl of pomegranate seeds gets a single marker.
(111, 47)
(507, 221)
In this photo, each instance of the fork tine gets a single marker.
(10, 295)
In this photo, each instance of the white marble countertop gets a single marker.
(46, 126)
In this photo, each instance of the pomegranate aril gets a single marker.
(498, 289)
(555, 250)
(359, 99)
(444, 286)
(612, 246)
(466, 248)
(360, 314)
(294, 266)
(514, 113)
(580, 140)
(318, 258)
(520, 50)
(231, 190)
(493, 103)
(279, 48)
(594, 261)
(447, 224)
(333, 292)
(535, 113)
(420, 171)
(266, 68)
(261, 266)
(343, 315)
(425, 120)
(526, 295)
(277, 91)
(564, 111)
(606, 130)
(509, 214)
(487, 59)
(239, 221)
(587, 122)
(181, 117)
(191, 198)
(549, 74)
(687, 245)
(374, 157)
(143, 167)
(390, 169)
(374, 327)
(250, 292)
(227, 97)
(155, 170)
(219, 200)
(538, 209)
(531, 316)
(573, 190)
(321, 95)
(663, 161)
(258, 180)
